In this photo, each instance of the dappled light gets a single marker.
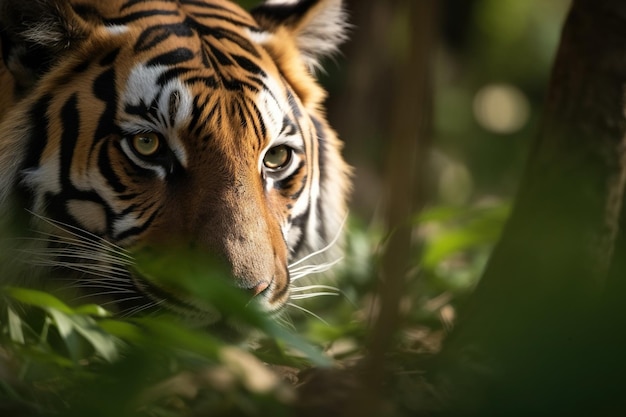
(479, 270)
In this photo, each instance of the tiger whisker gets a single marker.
(324, 249)
(313, 269)
(285, 321)
(80, 241)
(135, 310)
(312, 295)
(121, 300)
(96, 277)
(95, 269)
(76, 240)
(72, 253)
(324, 266)
(314, 287)
(110, 291)
(80, 233)
(100, 280)
(308, 312)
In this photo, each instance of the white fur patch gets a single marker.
(44, 179)
(116, 29)
(321, 33)
(124, 223)
(272, 112)
(317, 34)
(258, 37)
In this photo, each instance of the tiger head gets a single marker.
(139, 123)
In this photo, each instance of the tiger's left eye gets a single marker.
(146, 144)
(277, 157)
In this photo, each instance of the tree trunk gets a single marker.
(543, 330)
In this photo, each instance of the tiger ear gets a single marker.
(318, 27)
(34, 34)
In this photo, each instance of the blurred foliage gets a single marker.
(57, 359)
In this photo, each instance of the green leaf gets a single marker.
(92, 310)
(15, 326)
(104, 344)
(71, 326)
(37, 298)
(199, 276)
(123, 330)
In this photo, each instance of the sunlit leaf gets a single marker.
(70, 326)
(92, 310)
(37, 298)
(15, 326)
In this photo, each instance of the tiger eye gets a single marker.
(277, 157)
(146, 144)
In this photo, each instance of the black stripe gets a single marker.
(125, 197)
(140, 15)
(300, 222)
(293, 104)
(259, 116)
(138, 229)
(257, 124)
(288, 182)
(106, 169)
(221, 57)
(131, 3)
(174, 57)
(154, 35)
(109, 58)
(297, 194)
(196, 113)
(221, 33)
(56, 206)
(239, 109)
(281, 13)
(322, 155)
(104, 89)
(248, 65)
(80, 68)
(171, 74)
(322, 152)
(209, 82)
(70, 122)
(209, 117)
(38, 138)
(225, 19)
(205, 5)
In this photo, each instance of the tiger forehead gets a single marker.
(124, 11)
(200, 70)
(214, 36)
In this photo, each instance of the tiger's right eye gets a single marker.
(146, 144)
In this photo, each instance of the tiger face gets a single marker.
(132, 124)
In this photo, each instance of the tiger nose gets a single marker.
(259, 288)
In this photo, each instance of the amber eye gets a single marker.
(277, 157)
(146, 144)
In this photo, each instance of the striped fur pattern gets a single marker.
(128, 124)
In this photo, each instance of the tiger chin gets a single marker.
(131, 125)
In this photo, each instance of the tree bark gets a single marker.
(536, 335)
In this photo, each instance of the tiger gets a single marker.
(130, 124)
